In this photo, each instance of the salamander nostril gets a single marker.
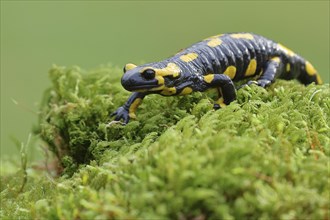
(149, 74)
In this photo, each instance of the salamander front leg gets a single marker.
(273, 67)
(127, 111)
(225, 87)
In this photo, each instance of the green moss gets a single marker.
(265, 156)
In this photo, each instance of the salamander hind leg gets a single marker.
(225, 87)
(272, 69)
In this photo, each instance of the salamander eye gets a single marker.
(149, 74)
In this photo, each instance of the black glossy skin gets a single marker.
(207, 69)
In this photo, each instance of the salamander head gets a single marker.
(147, 78)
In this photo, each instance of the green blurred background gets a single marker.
(36, 34)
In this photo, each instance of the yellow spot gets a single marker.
(288, 67)
(221, 102)
(310, 69)
(286, 50)
(276, 59)
(251, 69)
(230, 71)
(130, 66)
(208, 78)
(214, 36)
(160, 80)
(244, 36)
(189, 57)
(214, 42)
(318, 79)
(133, 107)
(186, 91)
(171, 70)
(168, 91)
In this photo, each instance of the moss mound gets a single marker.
(265, 156)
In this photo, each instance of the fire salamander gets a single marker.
(215, 62)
